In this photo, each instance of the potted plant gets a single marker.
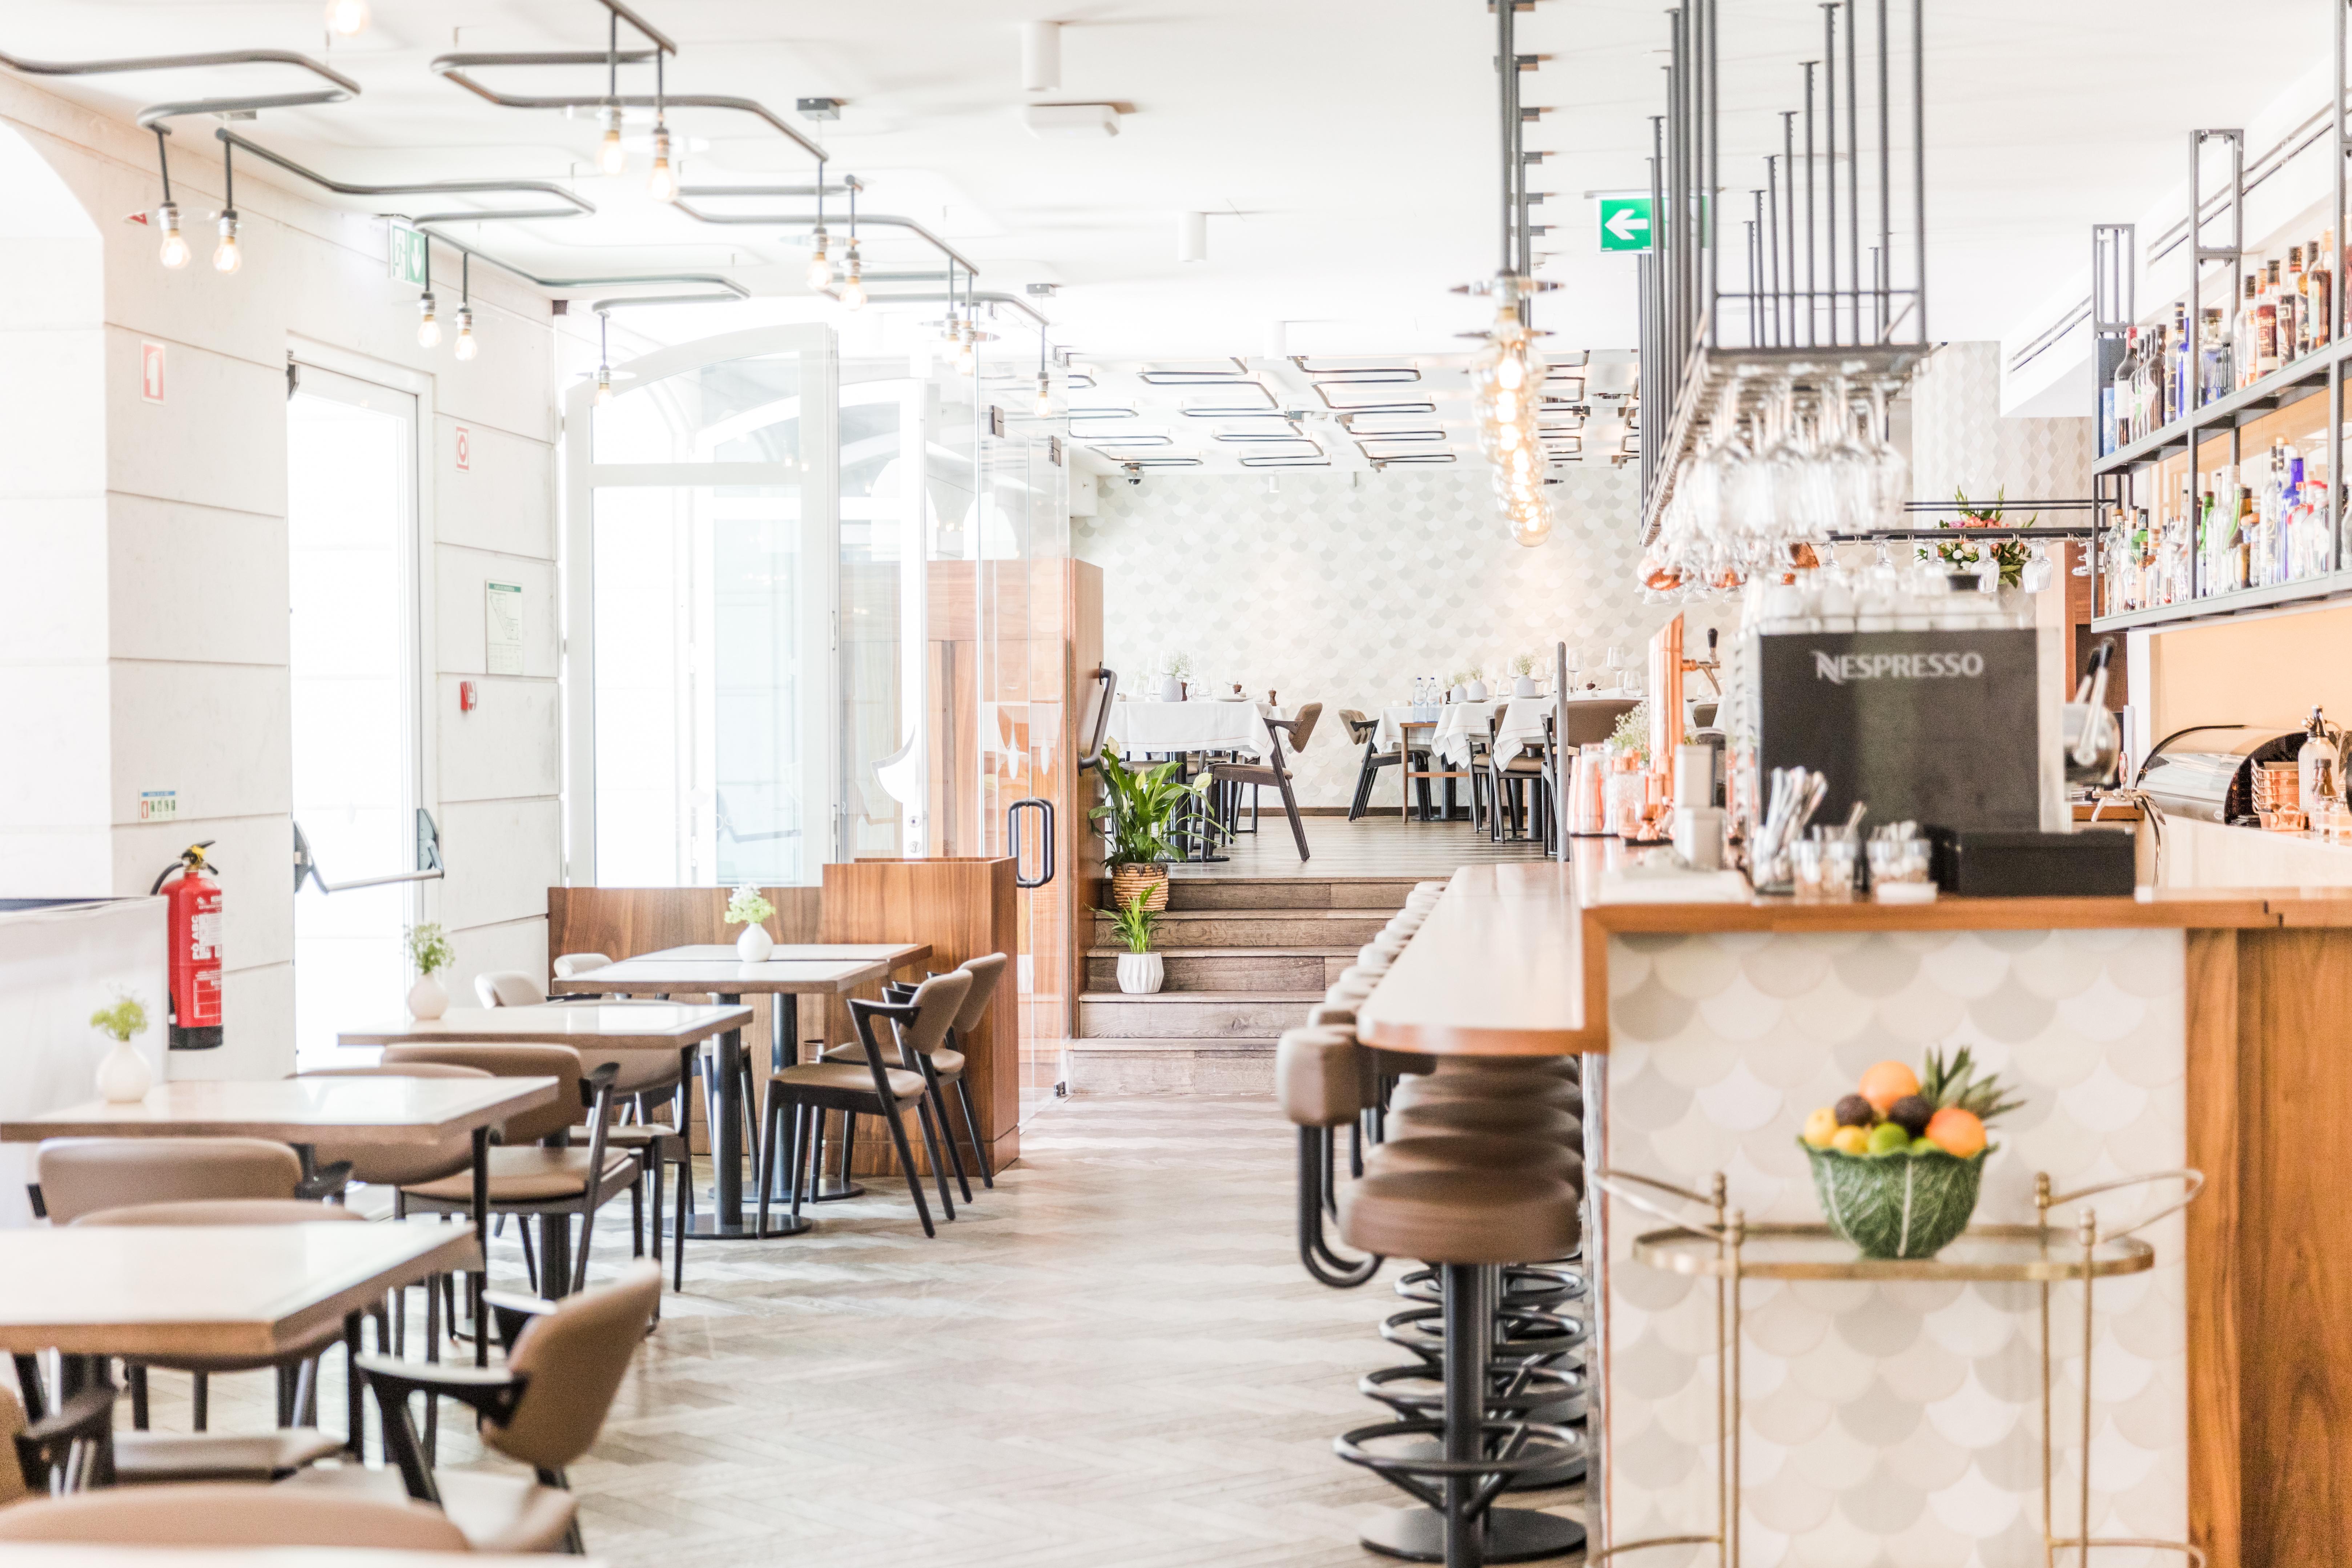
(429, 950)
(1898, 1163)
(1523, 675)
(1141, 805)
(1140, 970)
(749, 907)
(1173, 669)
(125, 1074)
(2010, 555)
(1457, 686)
(1474, 688)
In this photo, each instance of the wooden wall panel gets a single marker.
(963, 908)
(2212, 1229)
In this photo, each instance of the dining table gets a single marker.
(308, 1112)
(1234, 725)
(791, 970)
(175, 1292)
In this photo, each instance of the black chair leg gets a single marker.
(848, 1145)
(807, 1166)
(907, 1163)
(947, 1135)
(1290, 809)
(138, 1375)
(202, 1393)
(529, 1255)
(938, 1161)
(971, 1125)
(684, 1217)
(763, 1168)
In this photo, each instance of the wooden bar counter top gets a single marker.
(1516, 960)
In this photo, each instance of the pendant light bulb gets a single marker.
(347, 18)
(603, 385)
(820, 266)
(174, 251)
(662, 184)
(853, 279)
(466, 347)
(428, 327)
(226, 257)
(1044, 397)
(611, 157)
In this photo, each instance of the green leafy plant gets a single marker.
(1134, 923)
(1523, 664)
(2011, 555)
(1140, 805)
(747, 906)
(1475, 672)
(1176, 666)
(429, 949)
(127, 1017)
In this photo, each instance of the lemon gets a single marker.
(1850, 1141)
(1820, 1126)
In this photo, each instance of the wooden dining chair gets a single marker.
(1270, 772)
(1365, 732)
(944, 1067)
(229, 1516)
(509, 989)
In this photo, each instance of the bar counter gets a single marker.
(1900, 1421)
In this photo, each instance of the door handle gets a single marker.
(1013, 840)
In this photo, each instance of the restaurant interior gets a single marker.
(1306, 784)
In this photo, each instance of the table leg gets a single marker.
(725, 1219)
(826, 1189)
(556, 1255)
(478, 1282)
(354, 1408)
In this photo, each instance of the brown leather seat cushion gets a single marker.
(637, 1135)
(948, 1064)
(234, 1514)
(529, 1175)
(1493, 1117)
(148, 1459)
(497, 1511)
(1319, 1076)
(1461, 1216)
(1473, 1152)
(858, 1078)
(1532, 1089)
(1465, 1067)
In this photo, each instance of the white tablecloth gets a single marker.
(1459, 723)
(1207, 726)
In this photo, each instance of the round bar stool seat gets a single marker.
(1461, 1216)
(1474, 1067)
(1497, 1117)
(1528, 1088)
(1465, 1151)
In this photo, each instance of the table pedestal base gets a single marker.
(1513, 1535)
(710, 1228)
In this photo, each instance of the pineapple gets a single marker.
(1954, 1086)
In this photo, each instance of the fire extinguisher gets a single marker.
(195, 917)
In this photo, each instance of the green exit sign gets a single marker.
(407, 255)
(1624, 223)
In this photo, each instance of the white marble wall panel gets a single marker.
(502, 856)
(1896, 1424)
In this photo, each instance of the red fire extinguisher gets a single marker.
(194, 919)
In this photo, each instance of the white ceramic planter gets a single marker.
(1476, 692)
(1524, 686)
(124, 1076)
(1458, 694)
(426, 999)
(1171, 689)
(1140, 972)
(755, 944)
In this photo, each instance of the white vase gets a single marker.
(755, 944)
(1476, 692)
(427, 1000)
(1458, 694)
(1524, 686)
(1171, 690)
(1140, 972)
(124, 1076)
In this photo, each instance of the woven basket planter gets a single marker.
(1897, 1205)
(1125, 881)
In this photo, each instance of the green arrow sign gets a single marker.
(1624, 223)
(406, 253)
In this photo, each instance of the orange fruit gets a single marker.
(1956, 1132)
(1887, 1083)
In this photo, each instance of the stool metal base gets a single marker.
(707, 1226)
(1513, 1535)
(1566, 1475)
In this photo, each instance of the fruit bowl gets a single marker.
(1897, 1205)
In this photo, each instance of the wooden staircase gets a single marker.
(1245, 957)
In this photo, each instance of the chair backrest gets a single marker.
(83, 1175)
(226, 1211)
(231, 1513)
(575, 1358)
(1360, 729)
(572, 964)
(12, 1473)
(1302, 726)
(1595, 719)
(560, 1063)
(509, 989)
(397, 1164)
(985, 972)
(937, 1003)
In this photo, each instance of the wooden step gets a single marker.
(1192, 1014)
(1282, 969)
(1293, 928)
(1171, 1067)
(1384, 894)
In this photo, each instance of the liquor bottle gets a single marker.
(2301, 522)
(2127, 373)
(2266, 346)
(2213, 374)
(2289, 300)
(2178, 365)
(2242, 338)
(2319, 286)
(2242, 543)
(2206, 547)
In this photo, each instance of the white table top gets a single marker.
(622, 1026)
(240, 1290)
(1203, 726)
(50, 1554)
(296, 1109)
(812, 969)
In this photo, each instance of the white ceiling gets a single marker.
(1346, 147)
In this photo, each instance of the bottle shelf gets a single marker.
(2321, 586)
(2306, 377)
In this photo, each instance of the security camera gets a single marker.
(1134, 473)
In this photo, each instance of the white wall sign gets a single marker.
(150, 371)
(464, 450)
(159, 804)
(503, 641)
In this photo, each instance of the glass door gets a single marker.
(355, 658)
(701, 577)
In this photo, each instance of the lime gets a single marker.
(1889, 1137)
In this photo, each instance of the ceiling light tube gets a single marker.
(611, 157)
(662, 184)
(227, 256)
(174, 249)
(428, 326)
(1040, 56)
(466, 347)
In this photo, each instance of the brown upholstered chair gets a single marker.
(867, 1086)
(944, 1066)
(538, 1172)
(565, 1361)
(1269, 771)
(509, 989)
(79, 1177)
(230, 1515)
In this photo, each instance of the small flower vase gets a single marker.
(1140, 972)
(755, 944)
(124, 1076)
(1524, 686)
(1171, 690)
(427, 1000)
(1458, 694)
(1476, 692)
